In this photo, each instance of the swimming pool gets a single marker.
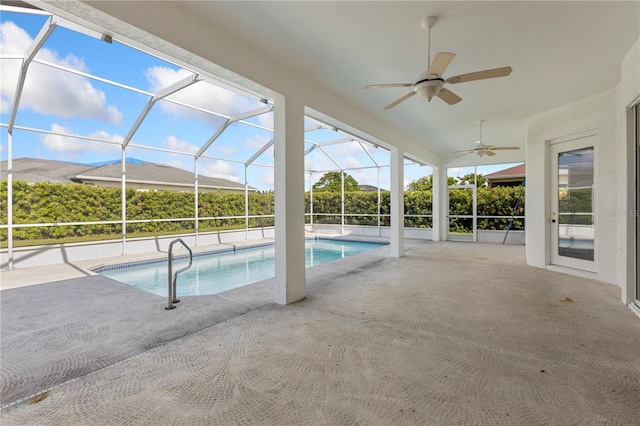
(213, 273)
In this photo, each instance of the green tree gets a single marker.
(332, 181)
(469, 178)
(425, 183)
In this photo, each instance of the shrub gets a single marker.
(59, 203)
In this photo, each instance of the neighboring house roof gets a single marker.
(34, 170)
(511, 172)
(153, 173)
(40, 170)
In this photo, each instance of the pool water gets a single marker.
(213, 273)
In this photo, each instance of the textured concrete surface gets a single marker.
(453, 333)
(52, 333)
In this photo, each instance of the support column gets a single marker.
(440, 207)
(289, 197)
(342, 202)
(379, 224)
(196, 202)
(10, 198)
(397, 203)
(246, 203)
(311, 200)
(123, 198)
(475, 204)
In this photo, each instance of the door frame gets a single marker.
(636, 173)
(576, 141)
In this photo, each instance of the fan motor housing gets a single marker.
(428, 87)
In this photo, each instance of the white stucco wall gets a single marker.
(606, 115)
(596, 113)
(629, 87)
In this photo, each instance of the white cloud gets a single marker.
(367, 176)
(349, 162)
(266, 158)
(202, 94)
(229, 150)
(257, 141)
(266, 120)
(459, 171)
(47, 90)
(262, 178)
(68, 144)
(317, 160)
(4, 102)
(175, 144)
(347, 155)
(218, 168)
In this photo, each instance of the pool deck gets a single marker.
(452, 333)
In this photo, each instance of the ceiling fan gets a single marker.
(482, 149)
(430, 82)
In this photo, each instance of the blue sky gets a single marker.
(63, 102)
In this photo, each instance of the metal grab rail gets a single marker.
(172, 288)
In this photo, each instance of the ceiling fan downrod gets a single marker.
(427, 24)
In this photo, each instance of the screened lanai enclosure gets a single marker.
(102, 141)
(119, 106)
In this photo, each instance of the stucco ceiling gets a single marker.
(560, 52)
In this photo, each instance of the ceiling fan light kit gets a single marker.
(430, 82)
(428, 88)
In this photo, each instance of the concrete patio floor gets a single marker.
(453, 333)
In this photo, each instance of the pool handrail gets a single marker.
(172, 285)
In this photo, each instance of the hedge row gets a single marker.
(499, 201)
(57, 203)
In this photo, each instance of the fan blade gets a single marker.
(513, 148)
(382, 86)
(448, 96)
(466, 151)
(480, 75)
(490, 153)
(440, 63)
(402, 99)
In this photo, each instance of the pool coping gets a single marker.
(234, 247)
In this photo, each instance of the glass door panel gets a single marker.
(575, 204)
